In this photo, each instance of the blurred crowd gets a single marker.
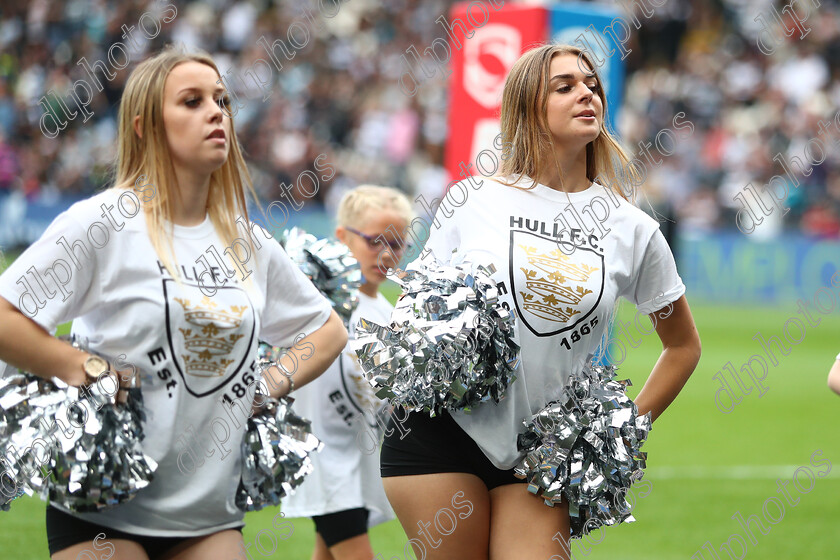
(339, 96)
(753, 113)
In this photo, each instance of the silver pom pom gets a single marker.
(275, 455)
(329, 264)
(449, 345)
(75, 446)
(586, 448)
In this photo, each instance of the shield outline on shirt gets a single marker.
(176, 356)
(351, 396)
(548, 244)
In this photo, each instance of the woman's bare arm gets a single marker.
(310, 357)
(834, 377)
(680, 354)
(26, 345)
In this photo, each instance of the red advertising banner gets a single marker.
(480, 65)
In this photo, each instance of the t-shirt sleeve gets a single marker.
(55, 280)
(656, 282)
(442, 241)
(293, 305)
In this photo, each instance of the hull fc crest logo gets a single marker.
(553, 291)
(210, 338)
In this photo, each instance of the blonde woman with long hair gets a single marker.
(450, 479)
(155, 269)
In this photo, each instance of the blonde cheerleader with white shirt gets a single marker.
(561, 278)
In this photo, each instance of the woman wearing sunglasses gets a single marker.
(343, 495)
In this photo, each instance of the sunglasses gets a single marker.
(377, 242)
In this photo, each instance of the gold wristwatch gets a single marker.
(94, 367)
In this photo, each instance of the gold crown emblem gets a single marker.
(548, 288)
(361, 389)
(206, 340)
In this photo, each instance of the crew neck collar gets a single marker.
(371, 298)
(193, 232)
(547, 192)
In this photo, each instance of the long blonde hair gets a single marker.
(524, 126)
(149, 155)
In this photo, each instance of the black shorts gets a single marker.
(65, 530)
(437, 445)
(341, 525)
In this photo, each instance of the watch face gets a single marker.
(95, 366)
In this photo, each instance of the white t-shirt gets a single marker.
(190, 350)
(341, 406)
(562, 302)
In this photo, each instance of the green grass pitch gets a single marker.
(703, 466)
